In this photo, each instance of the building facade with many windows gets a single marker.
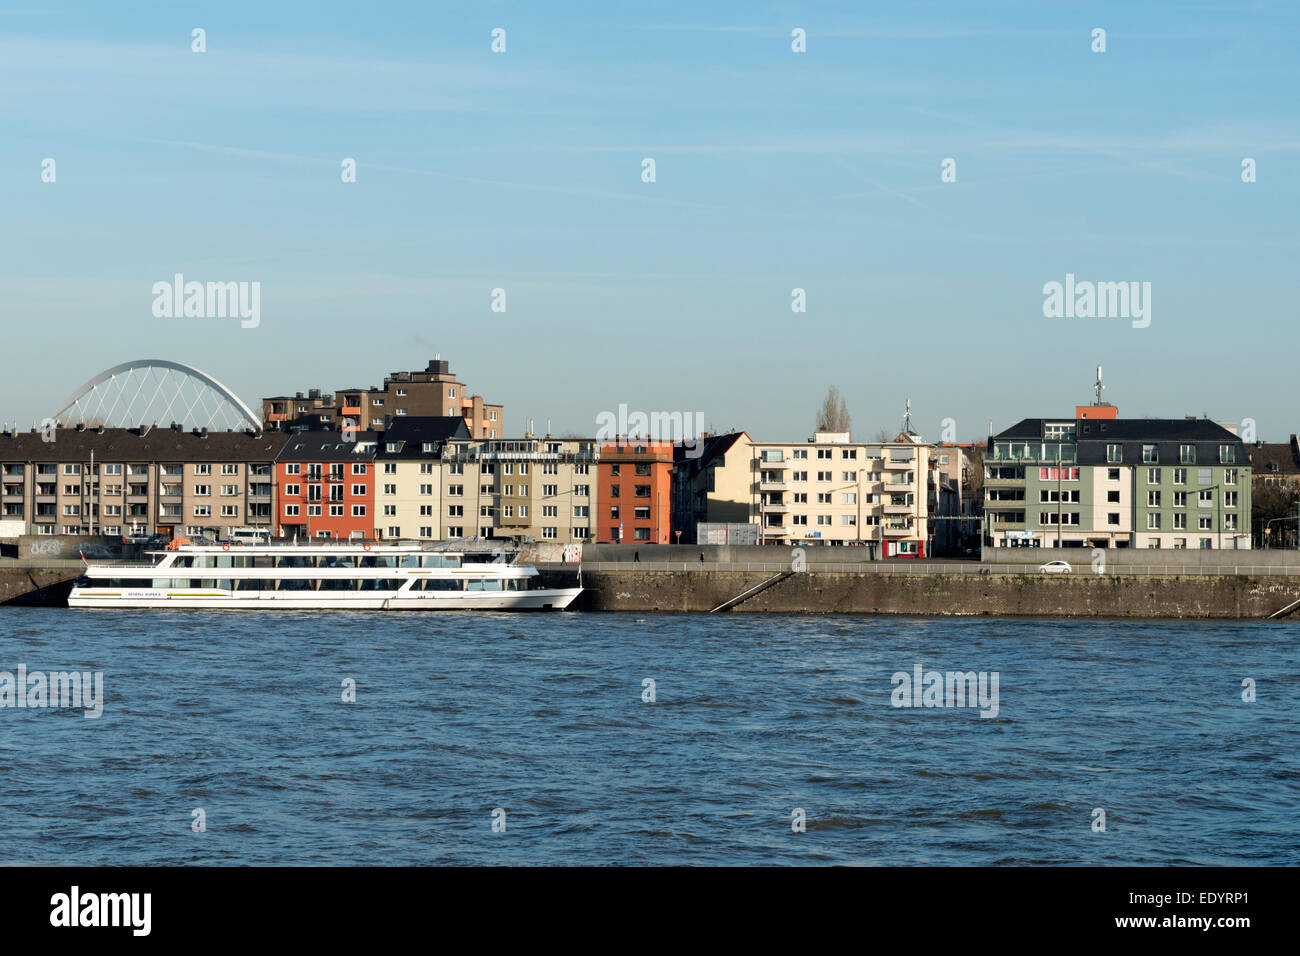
(118, 481)
(1117, 483)
(325, 485)
(636, 492)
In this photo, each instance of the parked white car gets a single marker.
(1055, 567)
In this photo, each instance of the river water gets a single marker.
(541, 724)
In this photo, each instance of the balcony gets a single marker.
(774, 486)
(899, 509)
(774, 507)
(762, 465)
(137, 499)
(775, 531)
(895, 464)
(893, 531)
(351, 409)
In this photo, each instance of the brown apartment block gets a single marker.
(150, 480)
(431, 393)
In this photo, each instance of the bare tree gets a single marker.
(884, 435)
(833, 416)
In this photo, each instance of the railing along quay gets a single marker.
(901, 567)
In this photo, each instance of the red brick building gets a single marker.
(635, 492)
(326, 485)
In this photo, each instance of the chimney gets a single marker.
(81, 426)
(176, 427)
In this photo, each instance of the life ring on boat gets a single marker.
(226, 546)
(365, 547)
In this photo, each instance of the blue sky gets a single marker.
(775, 170)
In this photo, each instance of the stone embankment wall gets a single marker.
(958, 594)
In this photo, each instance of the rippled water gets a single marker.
(542, 716)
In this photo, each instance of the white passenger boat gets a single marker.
(320, 576)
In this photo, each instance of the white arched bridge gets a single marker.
(156, 392)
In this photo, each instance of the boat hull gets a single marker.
(548, 599)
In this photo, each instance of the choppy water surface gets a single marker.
(542, 716)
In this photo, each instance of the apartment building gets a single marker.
(528, 488)
(828, 490)
(1110, 482)
(112, 481)
(325, 485)
(410, 480)
(636, 491)
(433, 392)
(705, 490)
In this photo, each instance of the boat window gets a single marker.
(295, 584)
(338, 584)
(410, 560)
(380, 584)
(492, 584)
(438, 584)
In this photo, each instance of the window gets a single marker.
(582, 491)
(455, 491)
(1153, 521)
(550, 511)
(848, 453)
(336, 511)
(1180, 499)
(229, 490)
(1205, 523)
(293, 469)
(390, 468)
(1229, 522)
(110, 469)
(1230, 476)
(1229, 499)
(426, 489)
(313, 511)
(1115, 453)
(358, 468)
(202, 511)
(1180, 544)
(455, 531)
(1187, 454)
(824, 476)
(823, 497)
(799, 476)
(390, 511)
(1205, 499)
(426, 531)
(1112, 474)
(1180, 522)
(1150, 454)
(799, 453)
(825, 453)
(72, 469)
(230, 511)
(850, 476)
(455, 511)
(1153, 499)
(358, 511)
(584, 511)
(849, 498)
(291, 511)
(230, 469)
(1227, 453)
(1112, 518)
(639, 534)
(848, 521)
(824, 520)
(1112, 497)
(202, 491)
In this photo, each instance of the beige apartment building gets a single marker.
(528, 488)
(828, 490)
(436, 483)
(115, 481)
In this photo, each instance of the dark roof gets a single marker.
(1167, 434)
(1275, 458)
(125, 445)
(328, 446)
(412, 431)
(714, 445)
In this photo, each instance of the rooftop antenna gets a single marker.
(907, 418)
(1098, 387)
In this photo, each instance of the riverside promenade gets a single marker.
(820, 580)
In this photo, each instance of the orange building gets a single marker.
(635, 492)
(325, 484)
